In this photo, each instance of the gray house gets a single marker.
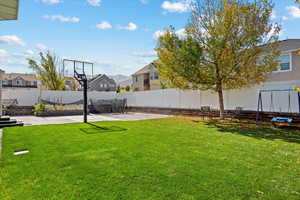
(102, 82)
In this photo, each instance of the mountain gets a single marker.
(125, 83)
(120, 78)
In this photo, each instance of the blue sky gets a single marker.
(118, 35)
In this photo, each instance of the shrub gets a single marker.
(38, 109)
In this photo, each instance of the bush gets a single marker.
(38, 109)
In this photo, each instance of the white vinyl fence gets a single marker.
(29, 97)
(172, 98)
(245, 98)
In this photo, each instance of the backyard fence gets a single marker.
(172, 98)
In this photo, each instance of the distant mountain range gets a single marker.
(122, 80)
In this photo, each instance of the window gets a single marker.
(153, 76)
(135, 78)
(284, 63)
(19, 82)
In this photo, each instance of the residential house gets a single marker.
(289, 67)
(18, 80)
(146, 78)
(102, 82)
(72, 84)
(126, 84)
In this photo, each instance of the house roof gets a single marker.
(145, 69)
(26, 77)
(290, 44)
(9, 9)
(98, 77)
(95, 77)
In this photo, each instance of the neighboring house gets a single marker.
(125, 84)
(72, 84)
(289, 67)
(146, 78)
(102, 82)
(18, 80)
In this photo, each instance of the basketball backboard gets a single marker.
(71, 67)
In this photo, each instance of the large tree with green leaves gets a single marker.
(229, 44)
(48, 71)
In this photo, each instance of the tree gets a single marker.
(118, 90)
(48, 71)
(229, 44)
(127, 88)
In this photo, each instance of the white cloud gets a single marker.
(62, 18)
(29, 52)
(273, 15)
(41, 47)
(3, 52)
(157, 34)
(294, 11)
(12, 39)
(281, 32)
(177, 6)
(51, 1)
(131, 27)
(104, 25)
(284, 18)
(144, 53)
(144, 1)
(26, 54)
(181, 33)
(94, 2)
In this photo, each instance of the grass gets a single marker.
(164, 159)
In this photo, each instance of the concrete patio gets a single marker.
(33, 120)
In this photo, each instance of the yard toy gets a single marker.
(277, 119)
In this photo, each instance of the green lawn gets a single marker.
(174, 158)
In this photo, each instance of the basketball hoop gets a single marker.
(80, 73)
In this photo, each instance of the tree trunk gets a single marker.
(221, 101)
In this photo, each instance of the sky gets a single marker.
(119, 36)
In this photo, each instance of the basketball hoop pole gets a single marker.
(85, 103)
(82, 78)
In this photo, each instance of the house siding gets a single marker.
(154, 84)
(294, 74)
(102, 83)
(139, 84)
